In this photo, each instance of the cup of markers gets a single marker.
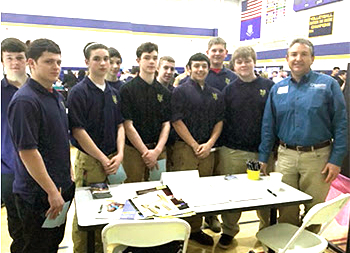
(253, 170)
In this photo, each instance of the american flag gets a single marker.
(251, 9)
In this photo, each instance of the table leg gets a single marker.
(273, 220)
(91, 241)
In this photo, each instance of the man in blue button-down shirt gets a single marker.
(307, 113)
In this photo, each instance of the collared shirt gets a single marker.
(244, 109)
(305, 114)
(199, 109)
(38, 120)
(147, 106)
(96, 111)
(116, 84)
(8, 152)
(220, 80)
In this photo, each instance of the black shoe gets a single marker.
(225, 241)
(202, 238)
(213, 223)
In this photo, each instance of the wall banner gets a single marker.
(320, 25)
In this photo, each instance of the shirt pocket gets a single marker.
(317, 98)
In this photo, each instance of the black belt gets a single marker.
(307, 148)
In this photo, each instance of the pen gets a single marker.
(274, 194)
(100, 211)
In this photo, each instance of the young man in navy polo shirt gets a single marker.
(97, 127)
(197, 116)
(39, 128)
(166, 70)
(115, 61)
(245, 100)
(13, 58)
(218, 77)
(146, 110)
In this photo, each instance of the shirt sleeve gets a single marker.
(77, 109)
(126, 103)
(24, 121)
(268, 129)
(178, 99)
(118, 112)
(220, 108)
(339, 125)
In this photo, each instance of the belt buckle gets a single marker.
(298, 147)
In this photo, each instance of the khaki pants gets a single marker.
(302, 170)
(183, 158)
(87, 170)
(233, 161)
(134, 166)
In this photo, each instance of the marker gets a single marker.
(274, 194)
(100, 211)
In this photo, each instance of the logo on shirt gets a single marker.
(160, 97)
(114, 98)
(318, 85)
(227, 81)
(215, 96)
(262, 93)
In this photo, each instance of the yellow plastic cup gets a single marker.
(253, 174)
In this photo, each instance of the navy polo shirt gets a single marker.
(116, 84)
(220, 80)
(38, 120)
(244, 109)
(199, 109)
(97, 111)
(8, 152)
(147, 105)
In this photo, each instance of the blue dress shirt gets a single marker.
(305, 114)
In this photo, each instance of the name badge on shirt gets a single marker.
(318, 86)
(282, 90)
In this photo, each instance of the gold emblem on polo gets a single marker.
(227, 81)
(114, 97)
(215, 96)
(262, 93)
(160, 97)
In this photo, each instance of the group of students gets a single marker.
(146, 119)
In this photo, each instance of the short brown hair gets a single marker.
(216, 41)
(243, 52)
(304, 42)
(165, 58)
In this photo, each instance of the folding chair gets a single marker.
(145, 233)
(285, 237)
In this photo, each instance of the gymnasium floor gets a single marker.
(245, 240)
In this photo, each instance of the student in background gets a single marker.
(97, 128)
(146, 110)
(245, 100)
(335, 72)
(166, 70)
(39, 128)
(341, 79)
(197, 117)
(13, 59)
(115, 61)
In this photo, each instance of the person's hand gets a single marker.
(150, 158)
(195, 147)
(113, 164)
(56, 204)
(263, 168)
(203, 151)
(105, 164)
(332, 172)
